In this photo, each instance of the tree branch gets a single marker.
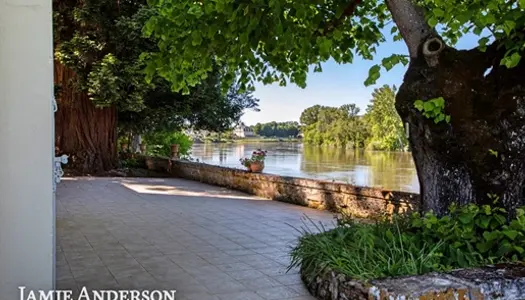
(411, 23)
(348, 11)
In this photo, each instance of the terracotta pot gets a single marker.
(124, 146)
(257, 167)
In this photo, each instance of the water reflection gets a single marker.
(390, 170)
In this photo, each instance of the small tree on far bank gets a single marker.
(384, 124)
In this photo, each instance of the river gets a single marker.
(389, 170)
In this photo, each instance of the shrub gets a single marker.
(159, 143)
(469, 236)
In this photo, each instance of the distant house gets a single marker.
(243, 131)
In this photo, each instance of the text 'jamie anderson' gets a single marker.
(96, 295)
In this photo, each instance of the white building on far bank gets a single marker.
(243, 131)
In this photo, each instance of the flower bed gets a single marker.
(470, 236)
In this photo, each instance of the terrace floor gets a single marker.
(171, 234)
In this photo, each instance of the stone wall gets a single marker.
(491, 282)
(360, 201)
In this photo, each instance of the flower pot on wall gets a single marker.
(256, 167)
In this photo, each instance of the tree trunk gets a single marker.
(480, 155)
(86, 133)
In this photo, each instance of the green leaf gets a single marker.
(512, 60)
(428, 106)
(373, 75)
(432, 21)
(508, 26)
(511, 234)
(447, 118)
(419, 104)
(439, 102)
(196, 37)
(438, 12)
(466, 218)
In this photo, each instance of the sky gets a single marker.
(335, 86)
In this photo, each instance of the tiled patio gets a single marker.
(203, 241)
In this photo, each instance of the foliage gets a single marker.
(159, 143)
(257, 156)
(383, 122)
(101, 41)
(340, 126)
(277, 129)
(414, 244)
(241, 34)
(131, 163)
(433, 109)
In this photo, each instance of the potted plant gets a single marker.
(255, 163)
(142, 147)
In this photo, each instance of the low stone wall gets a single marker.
(360, 201)
(492, 282)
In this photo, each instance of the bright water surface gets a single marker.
(389, 170)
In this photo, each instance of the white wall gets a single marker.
(26, 198)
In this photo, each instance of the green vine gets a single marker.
(433, 109)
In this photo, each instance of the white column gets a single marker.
(27, 214)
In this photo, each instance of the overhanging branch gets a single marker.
(348, 11)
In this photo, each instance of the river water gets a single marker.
(389, 170)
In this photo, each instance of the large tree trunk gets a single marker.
(479, 156)
(86, 133)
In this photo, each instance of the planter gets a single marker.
(256, 167)
(124, 147)
(142, 148)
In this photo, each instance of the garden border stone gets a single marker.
(503, 281)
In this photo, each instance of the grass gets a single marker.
(363, 251)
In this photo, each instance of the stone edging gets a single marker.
(505, 282)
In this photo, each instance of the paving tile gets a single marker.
(240, 296)
(274, 293)
(288, 279)
(259, 283)
(245, 274)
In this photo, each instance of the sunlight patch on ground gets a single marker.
(158, 189)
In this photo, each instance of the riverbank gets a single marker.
(247, 141)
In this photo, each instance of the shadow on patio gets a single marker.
(203, 241)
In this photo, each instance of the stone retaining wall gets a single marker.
(360, 201)
(493, 282)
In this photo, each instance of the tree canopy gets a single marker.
(277, 129)
(101, 41)
(278, 40)
(340, 126)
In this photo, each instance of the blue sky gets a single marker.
(335, 86)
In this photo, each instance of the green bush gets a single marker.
(469, 236)
(159, 143)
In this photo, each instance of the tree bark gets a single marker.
(85, 133)
(478, 157)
